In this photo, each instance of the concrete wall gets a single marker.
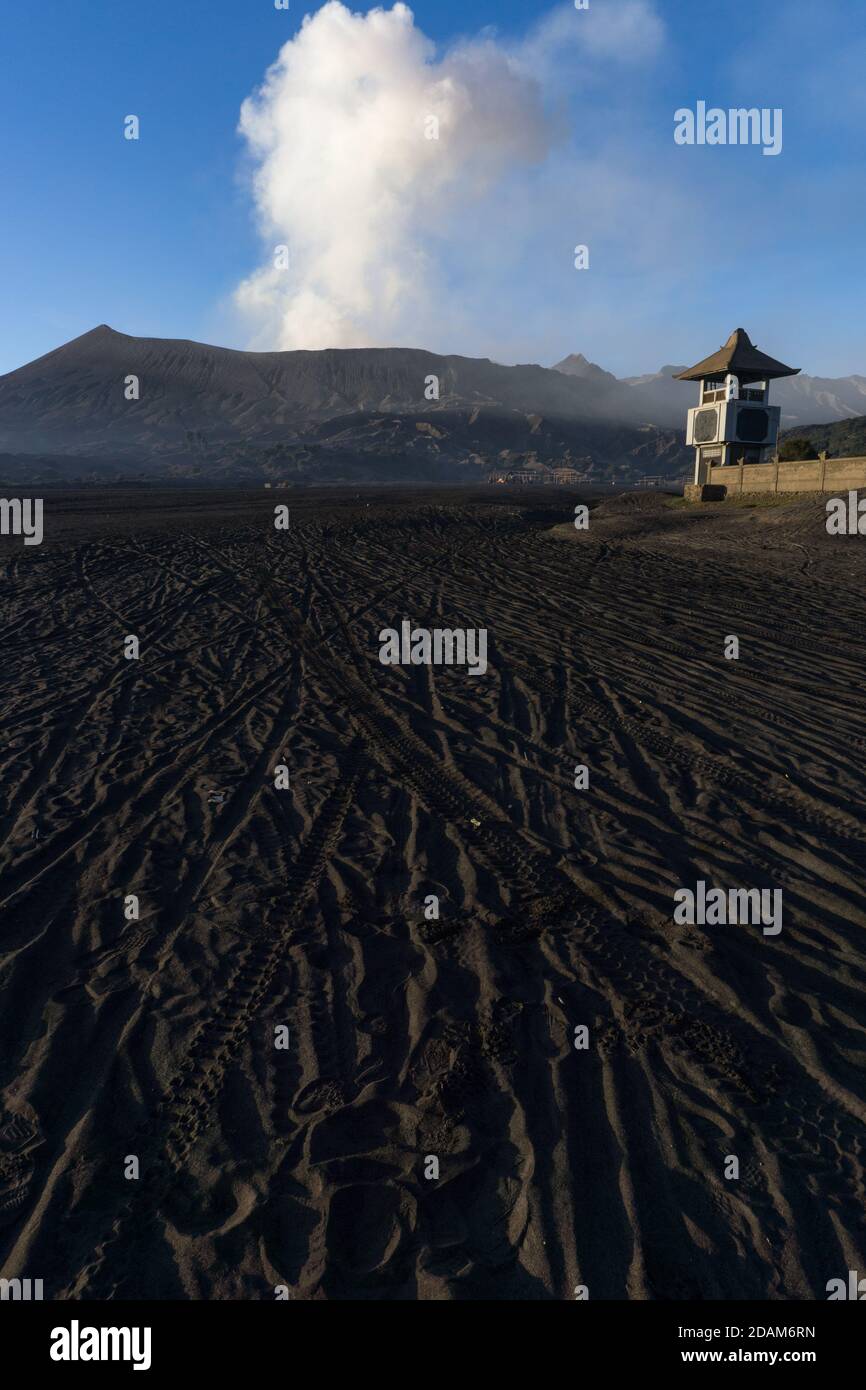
(813, 475)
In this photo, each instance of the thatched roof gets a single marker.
(740, 357)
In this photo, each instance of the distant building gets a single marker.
(517, 475)
(733, 421)
(562, 476)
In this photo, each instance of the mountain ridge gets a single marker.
(351, 413)
(162, 404)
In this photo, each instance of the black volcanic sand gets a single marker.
(410, 1037)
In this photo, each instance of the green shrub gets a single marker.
(794, 450)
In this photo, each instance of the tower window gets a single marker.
(713, 389)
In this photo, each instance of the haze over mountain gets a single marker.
(804, 399)
(349, 413)
(353, 413)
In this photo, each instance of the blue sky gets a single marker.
(474, 250)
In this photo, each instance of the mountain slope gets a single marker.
(842, 439)
(221, 412)
(74, 397)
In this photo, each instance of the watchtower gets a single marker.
(733, 419)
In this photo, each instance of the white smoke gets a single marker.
(348, 180)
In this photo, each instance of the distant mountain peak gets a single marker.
(101, 333)
(578, 365)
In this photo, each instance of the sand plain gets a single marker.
(412, 1037)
